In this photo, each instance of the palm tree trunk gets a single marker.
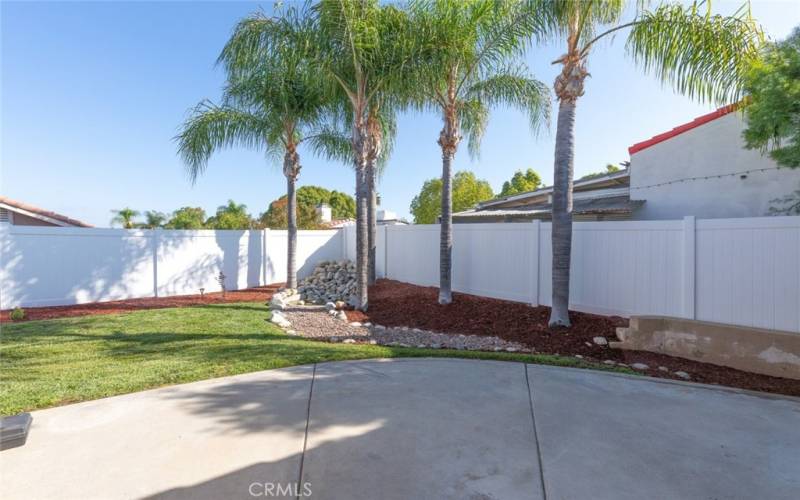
(290, 170)
(372, 220)
(362, 243)
(360, 135)
(562, 212)
(446, 229)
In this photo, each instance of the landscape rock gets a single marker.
(316, 322)
(683, 375)
(663, 369)
(600, 340)
(639, 366)
(331, 282)
(280, 320)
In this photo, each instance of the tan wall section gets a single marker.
(769, 352)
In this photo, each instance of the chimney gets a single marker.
(324, 212)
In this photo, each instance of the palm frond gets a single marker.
(331, 145)
(474, 115)
(512, 86)
(211, 127)
(701, 55)
(388, 121)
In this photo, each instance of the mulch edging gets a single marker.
(257, 294)
(396, 304)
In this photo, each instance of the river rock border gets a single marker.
(327, 323)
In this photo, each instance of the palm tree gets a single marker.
(470, 65)
(153, 220)
(231, 216)
(701, 55)
(124, 217)
(274, 101)
(363, 49)
(382, 129)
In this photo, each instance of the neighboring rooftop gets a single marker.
(598, 197)
(45, 216)
(700, 120)
(613, 179)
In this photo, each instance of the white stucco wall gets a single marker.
(714, 148)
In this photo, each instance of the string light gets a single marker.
(705, 177)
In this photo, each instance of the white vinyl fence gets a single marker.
(738, 271)
(44, 266)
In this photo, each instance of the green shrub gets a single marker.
(18, 314)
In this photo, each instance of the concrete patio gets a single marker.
(414, 428)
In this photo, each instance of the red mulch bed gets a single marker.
(392, 303)
(258, 294)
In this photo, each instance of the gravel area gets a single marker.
(315, 322)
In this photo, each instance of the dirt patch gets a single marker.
(258, 294)
(392, 303)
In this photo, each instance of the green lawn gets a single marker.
(59, 361)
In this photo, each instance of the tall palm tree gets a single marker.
(363, 50)
(274, 101)
(700, 54)
(382, 129)
(469, 64)
(124, 217)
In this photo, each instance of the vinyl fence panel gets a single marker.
(43, 266)
(737, 271)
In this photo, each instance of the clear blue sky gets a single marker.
(92, 94)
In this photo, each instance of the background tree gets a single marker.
(230, 216)
(773, 104)
(276, 216)
(521, 182)
(153, 220)
(124, 217)
(426, 207)
(273, 101)
(343, 206)
(700, 54)
(187, 218)
(471, 63)
(610, 169)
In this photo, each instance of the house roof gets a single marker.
(40, 213)
(580, 183)
(596, 205)
(700, 120)
(337, 223)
